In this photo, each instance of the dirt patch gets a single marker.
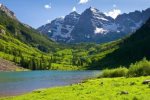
(9, 66)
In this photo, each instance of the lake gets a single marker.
(16, 83)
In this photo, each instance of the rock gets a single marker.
(2, 31)
(146, 82)
(8, 12)
(124, 92)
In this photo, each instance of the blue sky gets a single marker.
(38, 12)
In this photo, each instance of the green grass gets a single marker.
(95, 89)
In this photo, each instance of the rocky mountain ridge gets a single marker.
(94, 26)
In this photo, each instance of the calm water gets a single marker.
(15, 83)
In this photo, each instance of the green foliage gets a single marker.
(26, 56)
(141, 68)
(118, 72)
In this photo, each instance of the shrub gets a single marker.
(117, 72)
(141, 68)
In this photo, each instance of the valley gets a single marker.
(26, 47)
(81, 56)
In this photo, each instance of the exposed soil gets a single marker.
(9, 66)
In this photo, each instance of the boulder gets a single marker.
(146, 82)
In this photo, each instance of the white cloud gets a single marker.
(114, 13)
(83, 1)
(74, 9)
(47, 6)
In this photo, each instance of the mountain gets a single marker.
(94, 26)
(130, 50)
(131, 22)
(60, 29)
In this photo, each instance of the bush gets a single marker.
(141, 68)
(118, 72)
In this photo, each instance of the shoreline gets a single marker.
(22, 92)
(36, 90)
(92, 89)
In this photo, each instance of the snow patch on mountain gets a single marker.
(100, 31)
(94, 10)
(114, 13)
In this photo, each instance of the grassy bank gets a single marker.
(95, 89)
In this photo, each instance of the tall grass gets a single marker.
(117, 72)
(141, 68)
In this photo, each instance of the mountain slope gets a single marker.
(7, 11)
(24, 32)
(93, 26)
(20, 53)
(131, 49)
(60, 29)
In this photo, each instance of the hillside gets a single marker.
(23, 32)
(16, 51)
(131, 49)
